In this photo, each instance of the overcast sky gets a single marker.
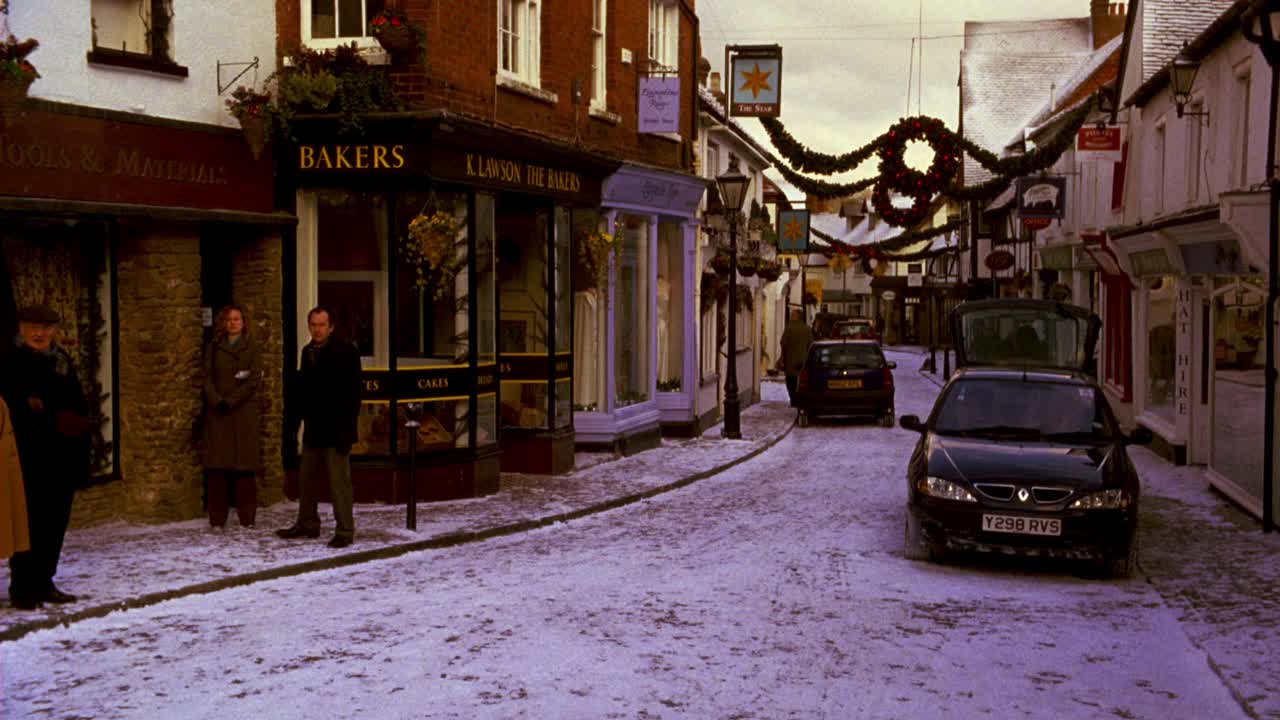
(846, 63)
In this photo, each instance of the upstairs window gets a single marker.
(330, 23)
(520, 40)
(598, 53)
(133, 33)
(664, 35)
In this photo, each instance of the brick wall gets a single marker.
(258, 288)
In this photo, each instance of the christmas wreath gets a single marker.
(919, 186)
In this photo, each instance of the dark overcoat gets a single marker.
(232, 437)
(326, 394)
(796, 338)
(53, 440)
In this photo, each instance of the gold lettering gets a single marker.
(397, 152)
(433, 383)
(341, 156)
(504, 367)
(537, 176)
(484, 380)
(362, 157)
(324, 161)
(471, 171)
(380, 157)
(372, 386)
(306, 157)
(127, 163)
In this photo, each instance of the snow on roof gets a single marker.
(1006, 69)
(1166, 24)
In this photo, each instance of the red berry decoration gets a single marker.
(896, 176)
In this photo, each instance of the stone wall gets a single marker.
(258, 288)
(159, 350)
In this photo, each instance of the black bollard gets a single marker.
(933, 359)
(946, 363)
(411, 511)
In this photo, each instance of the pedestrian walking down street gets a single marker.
(51, 422)
(327, 403)
(13, 500)
(232, 427)
(796, 338)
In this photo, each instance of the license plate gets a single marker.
(1021, 525)
(844, 384)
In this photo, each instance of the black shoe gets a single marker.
(339, 541)
(54, 595)
(24, 601)
(293, 531)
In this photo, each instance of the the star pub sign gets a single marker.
(793, 231)
(755, 80)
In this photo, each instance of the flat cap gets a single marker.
(41, 314)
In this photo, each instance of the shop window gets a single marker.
(631, 313)
(66, 268)
(520, 40)
(671, 314)
(330, 23)
(522, 233)
(590, 321)
(1239, 400)
(134, 33)
(599, 53)
(1161, 346)
(562, 312)
(664, 35)
(707, 341)
(485, 297)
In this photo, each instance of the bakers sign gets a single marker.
(998, 260)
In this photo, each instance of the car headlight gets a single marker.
(945, 489)
(1103, 500)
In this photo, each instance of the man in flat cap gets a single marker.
(51, 421)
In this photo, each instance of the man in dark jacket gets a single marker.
(796, 338)
(327, 401)
(51, 421)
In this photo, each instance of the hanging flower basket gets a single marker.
(747, 266)
(769, 271)
(255, 133)
(428, 247)
(594, 249)
(253, 109)
(396, 33)
(720, 264)
(16, 75)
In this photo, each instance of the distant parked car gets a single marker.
(846, 377)
(855, 329)
(1022, 452)
(823, 323)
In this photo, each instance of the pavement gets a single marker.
(1208, 560)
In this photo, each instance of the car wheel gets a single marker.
(914, 546)
(1122, 562)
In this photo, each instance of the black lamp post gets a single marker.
(1261, 25)
(733, 190)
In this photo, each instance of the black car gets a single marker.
(846, 377)
(1021, 452)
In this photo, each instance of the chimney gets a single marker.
(1106, 20)
(714, 82)
(704, 68)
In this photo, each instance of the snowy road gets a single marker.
(774, 590)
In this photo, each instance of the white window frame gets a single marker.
(1240, 155)
(361, 41)
(1161, 147)
(664, 35)
(1195, 150)
(525, 37)
(599, 54)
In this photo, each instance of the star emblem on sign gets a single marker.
(756, 80)
(793, 230)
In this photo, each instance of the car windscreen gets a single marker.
(852, 328)
(846, 357)
(1021, 408)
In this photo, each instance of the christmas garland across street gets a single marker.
(895, 176)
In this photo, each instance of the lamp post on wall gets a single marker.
(733, 190)
(1261, 26)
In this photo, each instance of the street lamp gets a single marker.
(1261, 26)
(733, 190)
(1182, 79)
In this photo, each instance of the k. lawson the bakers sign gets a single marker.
(445, 163)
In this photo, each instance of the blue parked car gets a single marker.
(846, 377)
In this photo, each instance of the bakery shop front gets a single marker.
(442, 248)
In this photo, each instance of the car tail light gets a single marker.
(888, 377)
(803, 382)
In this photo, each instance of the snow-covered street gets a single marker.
(776, 589)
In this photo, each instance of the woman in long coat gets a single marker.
(232, 375)
(13, 499)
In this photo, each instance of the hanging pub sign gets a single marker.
(793, 231)
(1041, 197)
(998, 260)
(755, 77)
(1098, 143)
(659, 104)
